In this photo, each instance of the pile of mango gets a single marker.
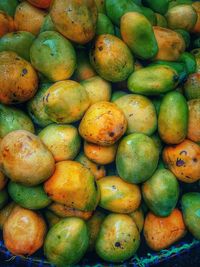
(99, 126)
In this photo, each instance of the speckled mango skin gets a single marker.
(117, 195)
(161, 192)
(53, 55)
(192, 86)
(75, 19)
(22, 84)
(173, 118)
(190, 203)
(62, 140)
(100, 154)
(63, 211)
(161, 232)
(6, 24)
(73, 185)
(153, 80)
(137, 158)
(118, 239)
(138, 34)
(170, 44)
(183, 160)
(66, 242)
(25, 159)
(139, 112)
(103, 124)
(194, 120)
(66, 101)
(24, 231)
(111, 58)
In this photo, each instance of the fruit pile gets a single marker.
(99, 126)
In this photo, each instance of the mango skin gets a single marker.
(51, 218)
(6, 23)
(40, 3)
(137, 158)
(118, 239)
(76, 20)
(116, 95)
(5, 212)
(73, 185)
(35, 107)
(149, 14)
(104, 25)
(22, 84)
(66, 101)
(19, 42)
(170, 44)
(138, 217)
(101, 6)
(12, 119)
(196, 53)
(53, 56)
(161, 192)
(185, 35)
(9, 6)
(192, 86)
(47, 25)
(194, 120)
(190, 203)
(62, 140)
(161, 20)
(66, 242)
(28, 197)
(190, 62)
(153, 80)
(183, 160)
(111, 58)
(139, 112)
(173, 118)
(24, 231)
(136, 31)
(103, 124)
(159, 6)
(25, 159)
(118, 196)
(161, 232)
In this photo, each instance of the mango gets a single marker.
(190, 203)
(6, 23)
(137, 33)
(194, 120)
(103, 124)
(189, 60)
(173, 118)
(161, 192)
(139, 112)
(101, 7)
(149, 14)
(118, 196)
(25, 159)
(196, 53)
(104, 25)
(158, 142)
(47, 25)
(40, 3)
(196, 7)
(192, 86)
(75, 19)
(51, 218)
(53, 56)
(185, 35)
(118, 239)
(117, 94)
(137, 158)
(153, 80)
(5, 212)
(161, 20)
(73, 185)
(66, 242)
(111, 58)
(159, 6)
(138, 218)
(9, 6)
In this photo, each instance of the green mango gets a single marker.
(9, 6)
(139, 112)
(159, 6)
(189, 60)
(104, 25)
(12, 119)
(196, 43)
(153, 80)
(161, 192)
(161, 20)
(138, 2)
(196, 53)
(47, 25)
(138, 34)
(33, 198)
(138, 217)
(19, 42)
(149, 14)
(35, 107)
(94, 224)
(173, 118)
(158, 142)
(101, 6)
(51, 217)
(157, 102)
(118, 239)
(191, 212)
(137, 158)
(115, 9)
(185, 35)
(66, 242)
(116, 95)
(53, 55)
(3, 198)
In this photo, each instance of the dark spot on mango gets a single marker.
(47, 97)
(111, 134)
(117, 244)
(59, 237)
(95, 185)
(130, 115)
(183, 152)
(24, 72)
(195, 160)
(100, 48)
(180, 162)
(29, 138)
(113, 187)
(176, 78)
(98, 167)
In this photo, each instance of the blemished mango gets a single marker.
(196, 7)
(191, 87)
(111, 58)
(173, 118)
(75, 19)
(194, 120)
(137, 33)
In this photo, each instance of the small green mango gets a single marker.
(185, 35)
(173, 118)
(161, 192)
(153, 80)
(104, 25)
(190, 62)
(159, 6)
(191, 212)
